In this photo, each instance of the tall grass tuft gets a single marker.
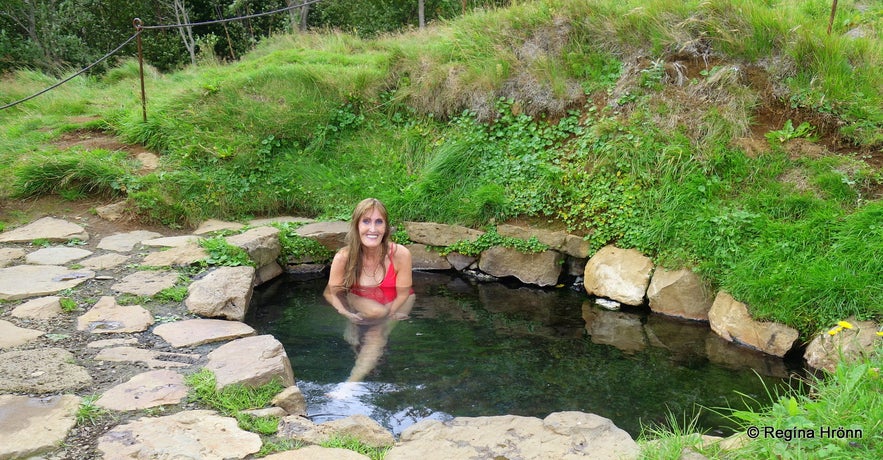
(74, 174)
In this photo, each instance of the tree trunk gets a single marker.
(304, 11)
(183, 17)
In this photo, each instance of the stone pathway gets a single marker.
(129, 359)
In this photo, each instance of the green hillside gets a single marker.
(737, 138)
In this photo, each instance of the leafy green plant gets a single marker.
(223, 253)
(132, 299)
(172, 294)
(296, 247)
(835, 419)
(490, 238)
(789, 131)
(68, 305)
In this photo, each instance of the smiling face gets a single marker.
(372, 228)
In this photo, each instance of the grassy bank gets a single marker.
(736, 138)
(837, 417)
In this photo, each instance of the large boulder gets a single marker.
(250, 361)
(542, 269)
(619, 274)
(730, 319)
(850, 340)
(679, 293)
(223, 293)
(432, 234)
(332, 235)
(261, 244)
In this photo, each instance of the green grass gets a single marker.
(355, 445)
(232, 400)
(564, 110)
(838, 417)
(89, 413)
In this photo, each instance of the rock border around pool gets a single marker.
(151, 352)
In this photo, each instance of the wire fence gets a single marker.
(139, 28)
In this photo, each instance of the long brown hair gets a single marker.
(354, 243)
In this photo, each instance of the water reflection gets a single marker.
(473, 349)
(690, 343)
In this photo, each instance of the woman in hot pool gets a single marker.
(370, 284)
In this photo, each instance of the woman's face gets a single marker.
(372, 227)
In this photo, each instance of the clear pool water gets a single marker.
(477, 349)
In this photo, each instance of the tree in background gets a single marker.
(55, 35)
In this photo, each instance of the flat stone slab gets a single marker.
(214, 225)
(317, 453)
(152, 359)
(173, 241)
(177, 256)
(56, 256)
(23, 281)
(561, 435)
(47, 370)
(42, 308)
(279, 220)
(9, 255)
(32, 426)
(13, 336)
(125, 242)
(194, 434)
(147, 283)
(193, 332)
(148, 389)
(107, 317)
(104, 261)
(47, 228)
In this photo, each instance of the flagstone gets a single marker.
(107, 317)
(193, 332)
(13, 336)
(146, 283)
(148, 389)
(104, 261)
(9, 255)
(31, 426)
(56, 255)
(23, 281)
(124, 242)
(40, 308)
(47, 228)
(45, 370)
(152, 359)
(173, 241)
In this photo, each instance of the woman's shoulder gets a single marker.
(399, 250)
(342, 254)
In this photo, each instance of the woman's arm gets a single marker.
(335, 292)
(404, 281)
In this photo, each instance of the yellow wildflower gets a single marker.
(879, 333)
(844, 324)
(835, 330)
